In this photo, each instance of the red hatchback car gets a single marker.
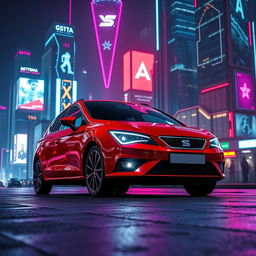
(109, 145)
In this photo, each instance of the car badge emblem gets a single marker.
(185, 143)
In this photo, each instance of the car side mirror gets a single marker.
(69, 122)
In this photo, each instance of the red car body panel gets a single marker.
(62, 153)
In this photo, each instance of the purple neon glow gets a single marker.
(106, 75)
(30, 72)
(70, 13)
(3, 108)
(245, 91)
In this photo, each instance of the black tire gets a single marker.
(40, 186)
(122, 189)
(95, 174)
(200, 189)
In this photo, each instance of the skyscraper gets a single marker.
(225, 40)
(181, 39)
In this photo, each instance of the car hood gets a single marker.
(157, 129)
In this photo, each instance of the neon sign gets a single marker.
(66, 94)
(106, 17)
(138, 76)
(28, 70)
(245, 91)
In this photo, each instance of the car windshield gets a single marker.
(118, 111)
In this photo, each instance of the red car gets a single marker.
(109, 145)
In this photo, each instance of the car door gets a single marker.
(50, 157)
(70, 145)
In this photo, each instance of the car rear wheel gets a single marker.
(40, 186)
(95, 174)
(201, 189)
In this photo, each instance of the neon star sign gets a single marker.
(106, 17)
(245, 91)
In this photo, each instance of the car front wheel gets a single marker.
(40, 186)
(95, 174)
(200, 189)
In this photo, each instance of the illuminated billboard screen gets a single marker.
(62, 37)
(138, 71)
(245, 91)
(106, 17)
(30, 94)
(240, 33)
(245, 125)
(66, 94)
(20, 149)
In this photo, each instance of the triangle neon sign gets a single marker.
(106, 17)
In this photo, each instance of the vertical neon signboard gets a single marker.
(106, 17)
(245, 91)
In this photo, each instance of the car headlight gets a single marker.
(214, 143)
(127, 138)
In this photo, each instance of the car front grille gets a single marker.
(166, 168)
(184, 142)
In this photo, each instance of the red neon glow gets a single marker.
(106, 34)
(215, 87)
(138, 71)
(195, 3)
(250, 32)
(23, 53)
(231, 124)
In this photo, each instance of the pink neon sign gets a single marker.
(106, 17)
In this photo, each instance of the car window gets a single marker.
(118, 111)
(56, 125)
(76, 112)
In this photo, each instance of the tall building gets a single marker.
(181, 39)
(226, 75)
(26, 106)
(58, 69)
(175, 71)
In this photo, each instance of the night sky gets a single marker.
(24, 24)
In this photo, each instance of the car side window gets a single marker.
(75, 111)
(57, 126)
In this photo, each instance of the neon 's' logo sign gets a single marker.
(106, 17)
(107, 20)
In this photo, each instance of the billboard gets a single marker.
(138, 71)
(245, 91)
(240, 30)
(245, 125)
(106, 17)
(66, 94)
(138, 76)
(62, 37)
(30, 94)
(20, 149)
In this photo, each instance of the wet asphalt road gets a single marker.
(146, 221)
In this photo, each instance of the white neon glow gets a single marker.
(247, 144)
(107, 20)
(57, 104)
(245, 91)
(200, 25)
(143, 72)
(74, 92)
(125, 140)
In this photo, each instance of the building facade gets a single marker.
(226, 78)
